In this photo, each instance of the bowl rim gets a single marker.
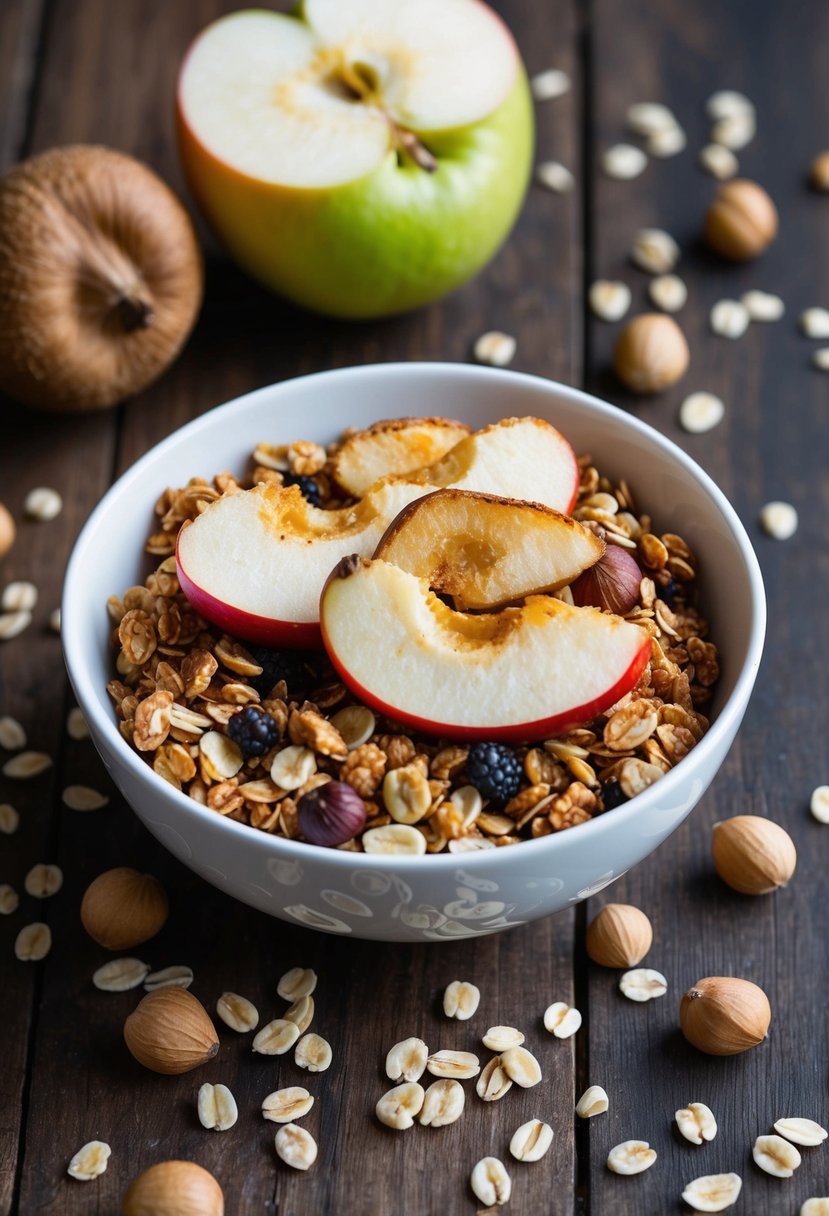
(87, 694)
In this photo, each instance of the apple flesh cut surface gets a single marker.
(486, 551)
(517, 675)
(362, 157)
(394, 446)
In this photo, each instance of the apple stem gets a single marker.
(134, 313)
(409, 143)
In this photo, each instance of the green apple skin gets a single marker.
(391, 241)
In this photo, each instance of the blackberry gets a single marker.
(307, 486)
(287, 665)
(613, 795)
(494, 770)
(667, 592)
(253, 732)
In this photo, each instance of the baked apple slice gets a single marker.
(487, 551)
(517, 675)
(254, 563)
(394, 446)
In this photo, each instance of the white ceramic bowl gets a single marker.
(431, 897)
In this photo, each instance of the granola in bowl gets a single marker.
(254, 733)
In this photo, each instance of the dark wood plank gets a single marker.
(369, 994)
(20, 27)
(769, 446)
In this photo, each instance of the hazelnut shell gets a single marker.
(122, 908)
(723, 1015)
(174, 1188)
(741, 222)
(619, 936)
(752, 854)
(612, 583)
(8, 531)
(650, 353)
(170, 1032)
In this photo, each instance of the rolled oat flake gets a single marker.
(779, 520)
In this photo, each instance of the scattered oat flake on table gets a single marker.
(763, 305)
(521, 1066)
(725, 103)
(719, 161)
(819, 803)
(493, 1083)
(43, 504)
(643, 984)
(713, 1192)
(495, 348)
(734, 132)
(696, 1122)
(561, 1020)
(531, 1141)
(490, 1182)
(26, 765)
(238, 1012)
(459, 1064)
(295, 1146)
(555, 177)
(54, 620)
(19, 596)
(313, 1053)
(76, 724)
(406, 1061)
(624, 162)
(668, 292)
(801, 1131)
(814, 322)
(276, 1038)
(815, 1207)
(83, 798)
(776, 1156)
(9, 819)
(120, 975)
(648, 117)
(701, 412)
(169, 977)
(729, 318)
(90, 1161)
(609, 299)
(285, 1105)
(12, 624)
(43, 880)
(399, 1107)
(631, 1157)
(216, 1107)
(298, 982)
(12, 734)
(461, 1000)
(668, 142)
(820, 359)
(549, 84)
(33, 942)
(443, 1103)
(501, 1038)
(779, 520)
(594, 1101)
(9, 899)
(654, 250)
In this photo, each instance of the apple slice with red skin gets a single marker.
(253, 563)
(517, 675)
(524, 458)
(394, 446)
(487, 551)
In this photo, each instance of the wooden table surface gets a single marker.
(90, 70)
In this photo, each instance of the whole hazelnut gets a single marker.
(819, 173)
(331, 814)
(723, 1015)
(752, 854)
(7, 530)
(170, 1032)
(619, 936)
(612, 583)
(122, 908)
(650, 353)
(174, 1188)
(741, 222)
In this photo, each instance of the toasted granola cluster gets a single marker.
(181, 682)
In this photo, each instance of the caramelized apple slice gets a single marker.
(486, 551)
(395, 446)
(520, 674)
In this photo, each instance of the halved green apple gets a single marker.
(520, 674)
(393, 446)
(487, 551)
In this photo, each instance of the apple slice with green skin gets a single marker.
(524, 458)
(362, 157)
(394, 446)
(486, 551)
(253, 563)
(517, 675)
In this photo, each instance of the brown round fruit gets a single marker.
(741, 222)
(122, 908)
(100, 278)
(169, 1031)
(8, 531)
(650, 353)
(722, 1015)
(174, 1188)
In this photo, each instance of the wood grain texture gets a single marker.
(109, 77)
(770, 445)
